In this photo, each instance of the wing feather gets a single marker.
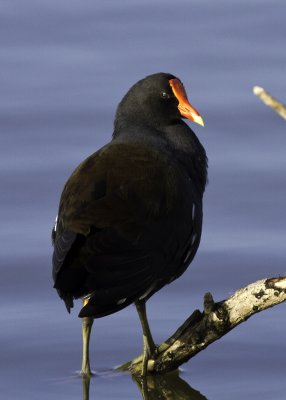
(116, 228)
(62, 246)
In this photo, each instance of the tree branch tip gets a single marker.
(257, 90)
(270, 101)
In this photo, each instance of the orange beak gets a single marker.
(185, 108)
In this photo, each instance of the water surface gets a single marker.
(64, 67)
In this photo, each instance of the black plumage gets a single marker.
(130, 215)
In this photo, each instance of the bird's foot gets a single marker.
(86, 374)
(86, 371)
(149, 355)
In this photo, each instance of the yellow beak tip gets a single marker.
(198, 120)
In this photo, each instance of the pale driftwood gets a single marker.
(270, 101)
(203, 328)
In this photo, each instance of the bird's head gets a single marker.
(159, 99)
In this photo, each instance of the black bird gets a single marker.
(130, 215)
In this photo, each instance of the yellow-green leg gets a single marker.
(149, 346)
(86, 330)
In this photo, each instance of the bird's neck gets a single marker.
(176, 139)
(189, 152)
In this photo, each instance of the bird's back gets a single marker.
(129, 222)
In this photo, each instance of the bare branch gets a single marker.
(203, 328)
(270, 101)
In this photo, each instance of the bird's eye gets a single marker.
(165, 95)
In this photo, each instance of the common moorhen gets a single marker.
(130, 215)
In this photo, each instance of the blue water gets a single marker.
(64, 67)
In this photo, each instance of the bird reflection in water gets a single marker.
(160, 387)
